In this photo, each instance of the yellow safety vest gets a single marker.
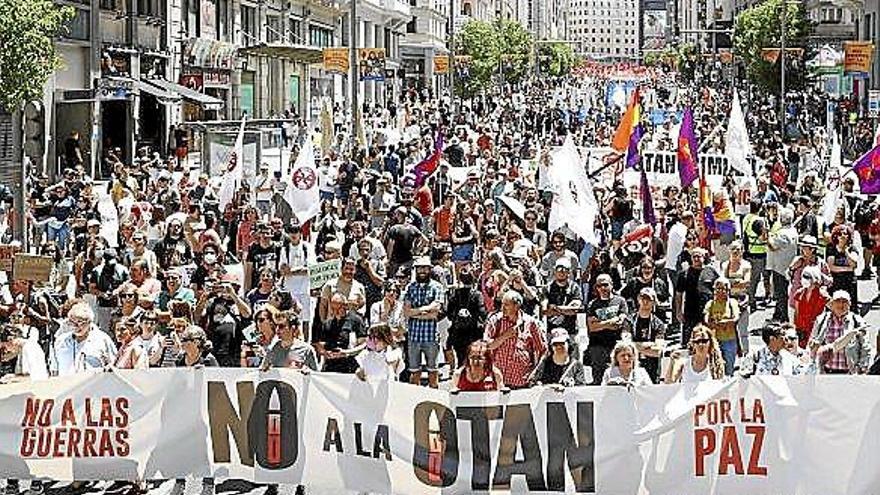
(756, 245)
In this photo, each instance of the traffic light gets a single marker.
(34, 131)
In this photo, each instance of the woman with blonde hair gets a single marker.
(702, 362)
(625, 369)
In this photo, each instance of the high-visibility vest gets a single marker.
(756, 245)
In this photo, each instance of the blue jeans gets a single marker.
(415, 352)
(728, 352)
(60, 235)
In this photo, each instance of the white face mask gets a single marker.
(210, 258)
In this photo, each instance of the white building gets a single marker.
(605, 29)
(548, 19)
(426, 37)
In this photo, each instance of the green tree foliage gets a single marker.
(516, 50)
(761, 27)
(499, 50)
(557, 58)
(27, 48)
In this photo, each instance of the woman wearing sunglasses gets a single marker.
(702, 362)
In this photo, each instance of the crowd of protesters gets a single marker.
(445, 280)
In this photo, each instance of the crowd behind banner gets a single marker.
(452, 275)
(336, 434)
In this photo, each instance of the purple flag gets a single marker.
(867, 169)
(427, 166)
(688, 162)
(647, 201)
(632, 152)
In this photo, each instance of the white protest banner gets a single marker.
(334, 433)
(323, 272)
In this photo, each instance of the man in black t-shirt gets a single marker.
(645, 328)
(263, 253)
(563, 298)
(605, 317)
(403, 241)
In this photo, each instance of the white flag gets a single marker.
(834, 196)
(737, 145)
(574, 204)
(302, 190)
(234, 172)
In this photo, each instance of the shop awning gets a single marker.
(298, 53)
(160, 94)
(206, 101)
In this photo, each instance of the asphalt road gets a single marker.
(867, 292)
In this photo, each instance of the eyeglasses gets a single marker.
(790, 337)
(187, 339)
(128, 295)
(603, 284)
(700, 341)
(263, 319)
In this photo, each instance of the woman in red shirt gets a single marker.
(809, 302)
(479, 373)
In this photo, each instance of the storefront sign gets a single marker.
(873, 103)
(114, 89)
(441, 64)
(215, 78)
(194, 82)
(371, 64)
(336, 60)
(858, 57)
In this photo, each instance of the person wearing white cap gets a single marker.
(605, 317)
(839, 338)
(648, 332)
(559, 368)
(562, 298)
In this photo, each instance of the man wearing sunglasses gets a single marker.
(605, 317)
(774, 359)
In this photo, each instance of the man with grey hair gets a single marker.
(83, 347)
(516, 340)
(782, 244)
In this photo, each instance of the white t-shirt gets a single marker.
(300, 256)
(263, 182)
(380, 366)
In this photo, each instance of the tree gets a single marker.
(558, 58)
(28, 58)
(516, 50)
(480, 41)
(502, 48)
(760, 27)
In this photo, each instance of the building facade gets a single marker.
(427, 36)
(605, 29)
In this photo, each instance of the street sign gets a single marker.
(874, 103)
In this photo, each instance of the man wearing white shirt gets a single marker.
(675, 243)
(85, 347)
(294, 259)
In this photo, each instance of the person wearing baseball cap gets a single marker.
(559, 367)
(563, 298)
(839, 338)
(648, 332)
(606, 315)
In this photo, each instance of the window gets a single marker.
(223, 19)
(294, 33)
(191, 17)
(319, 36)
(77, 28)
(411, 26)
(273, 29)
(148, 7)
(109, 5)
(248, 26)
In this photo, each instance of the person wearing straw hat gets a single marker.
(839, 338)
